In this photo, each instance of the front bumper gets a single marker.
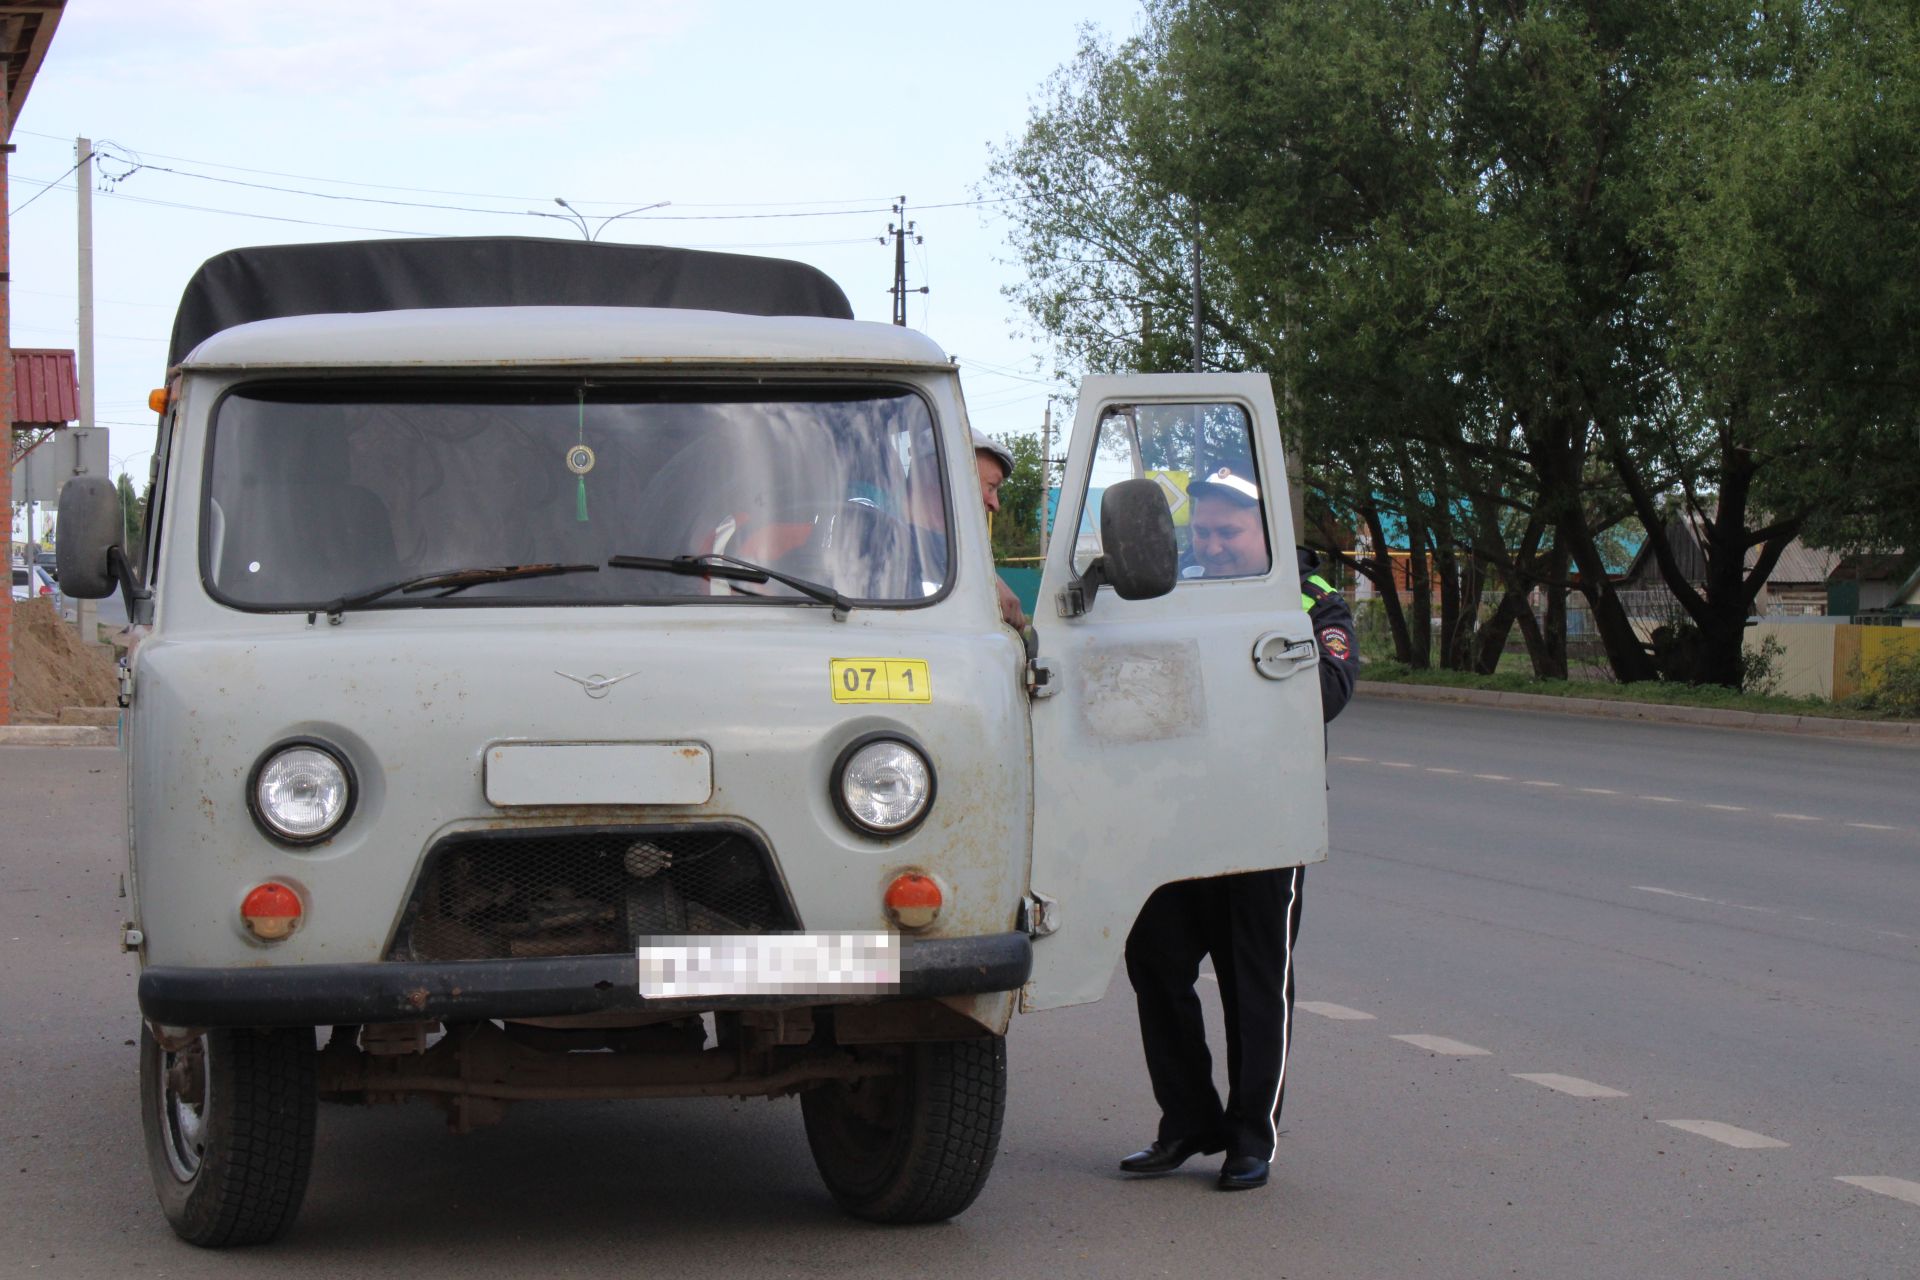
(469, 990)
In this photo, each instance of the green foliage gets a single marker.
(1016, 530)
(1890, 687)
(1516, 266)
(1760, 667)
(1370, 628)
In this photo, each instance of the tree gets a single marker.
(1023, 495)
(133, 515)
(1789, 225)
(1483, 249)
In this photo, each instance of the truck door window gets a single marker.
(1202, 457)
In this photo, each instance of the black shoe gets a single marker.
(1164, 1156)
(1243, 1173)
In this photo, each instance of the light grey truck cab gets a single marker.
(570, 671)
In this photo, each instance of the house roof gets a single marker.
(45, 391)
(1799, 563)
(1909, 592)
(1871, 566)
(26, 29)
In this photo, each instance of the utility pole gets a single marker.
(85, 612)
(1196, 295)
(900, 233)
(1046, 471)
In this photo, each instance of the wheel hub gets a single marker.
(183, 1107)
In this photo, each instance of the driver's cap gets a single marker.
(984, 443)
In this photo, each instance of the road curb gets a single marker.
(1898, 732)
(57, 735)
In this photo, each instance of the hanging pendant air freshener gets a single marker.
(580, 461)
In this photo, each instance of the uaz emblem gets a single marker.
(596, 685)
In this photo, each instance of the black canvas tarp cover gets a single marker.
(269, 281)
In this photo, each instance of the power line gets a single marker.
(68, 297)
(269, 217)
(473, 195)
(16, 210)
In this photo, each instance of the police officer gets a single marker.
(1247, 922)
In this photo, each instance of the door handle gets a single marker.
(1276, 655)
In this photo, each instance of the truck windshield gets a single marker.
(321, 491)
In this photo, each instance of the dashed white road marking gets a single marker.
(1573, 1085)
(1898, 1188)
(1338, 1012)
(1608, 791)
(1729, 1135)
(1769, 911)
(1717, 902)
(1440, 1044)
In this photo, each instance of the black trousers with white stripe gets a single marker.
(1248, 923)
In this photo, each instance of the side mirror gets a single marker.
(87, 539)
(1139, 557)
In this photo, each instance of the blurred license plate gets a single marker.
(755, 964)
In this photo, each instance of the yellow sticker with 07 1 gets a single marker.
(879, 680)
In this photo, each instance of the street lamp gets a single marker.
(574, 216)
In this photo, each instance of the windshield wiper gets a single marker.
(450, 581)
(717, 565)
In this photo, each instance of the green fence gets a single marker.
(1023, 576)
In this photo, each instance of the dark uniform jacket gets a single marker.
(1333, 631)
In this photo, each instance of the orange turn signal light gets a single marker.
(271, 911)
(913, 900)
(157, 399)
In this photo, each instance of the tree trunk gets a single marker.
(1473, 588)
(1550, 660)
(1447, 565)
(1420, 583)
(1382, 576)
(1491, 640)
(1626, 654)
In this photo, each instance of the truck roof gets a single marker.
(275, 281)
(524, 337)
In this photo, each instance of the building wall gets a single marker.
(6, 407)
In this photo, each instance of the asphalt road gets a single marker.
(1710, 927)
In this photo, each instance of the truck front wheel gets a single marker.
(229, 1125)
(916, 1145)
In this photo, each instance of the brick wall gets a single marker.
(6, 408)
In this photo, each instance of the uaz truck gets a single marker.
(572, 671)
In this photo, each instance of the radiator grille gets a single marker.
(493, 895)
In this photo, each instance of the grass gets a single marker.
(1679, 695)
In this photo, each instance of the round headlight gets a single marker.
(301, 793)
(884, 787)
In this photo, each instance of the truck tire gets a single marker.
(229, 1127)
(917, 1145)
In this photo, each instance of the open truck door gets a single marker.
(1178, 737)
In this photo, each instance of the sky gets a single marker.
(787, 129)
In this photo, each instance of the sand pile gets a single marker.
(51, 669)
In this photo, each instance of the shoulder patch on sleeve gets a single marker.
(1334, 640)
